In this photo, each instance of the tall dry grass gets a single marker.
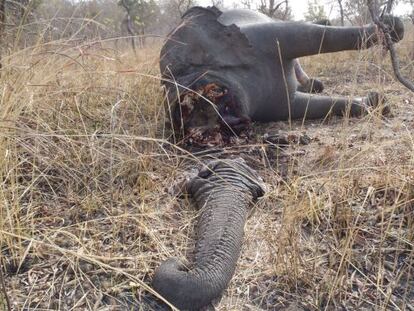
(88, 209)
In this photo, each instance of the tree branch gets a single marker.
(390, 3)
(128, 23)
(390, 46)
(279, 5)
(270, 8)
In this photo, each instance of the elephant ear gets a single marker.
(201, 44)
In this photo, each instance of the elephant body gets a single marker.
(251, 62)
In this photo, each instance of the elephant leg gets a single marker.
(306, 84)
(307, 106)
(310, 39)
(223, 191)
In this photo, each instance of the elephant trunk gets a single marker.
(223, 191)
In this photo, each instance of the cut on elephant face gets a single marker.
(209, 115)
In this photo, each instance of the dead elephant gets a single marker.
(221, 71)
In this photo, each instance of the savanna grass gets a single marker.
(87, 172)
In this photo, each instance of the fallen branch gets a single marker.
(390, 46)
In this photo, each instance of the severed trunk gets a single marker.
(223, 191)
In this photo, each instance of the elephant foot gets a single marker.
(210, 116)
(312, 86)
(376, 100)
(316, 86)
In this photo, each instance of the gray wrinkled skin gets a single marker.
(254, 56)
(223, 191)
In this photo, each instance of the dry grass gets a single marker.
(87, 210)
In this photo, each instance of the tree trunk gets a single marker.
(286, 10)
(129, 25)
(131, 32)
(2, 29)
(412, 20)
(142, 40)
(341, 11)
(412, 11)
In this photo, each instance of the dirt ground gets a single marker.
(89, 207)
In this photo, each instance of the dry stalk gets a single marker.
(3, 287)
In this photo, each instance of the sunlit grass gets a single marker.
(88, 209)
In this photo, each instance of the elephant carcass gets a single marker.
(223, 70)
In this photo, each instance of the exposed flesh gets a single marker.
(210, 116)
